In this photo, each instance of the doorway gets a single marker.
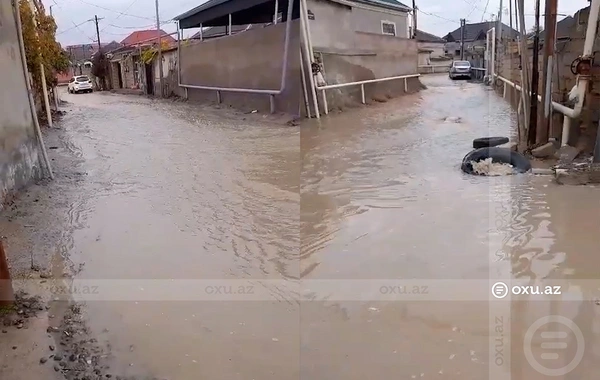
(149, 79)
(120, 74)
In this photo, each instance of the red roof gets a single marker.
(146, 36)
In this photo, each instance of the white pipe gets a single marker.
(308, 58)
(304, 89)
(307, 25)
(32, 109)
(565, 131)
(339, 85)
(276, 12)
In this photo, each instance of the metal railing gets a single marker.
(432, 68)
(362, 87)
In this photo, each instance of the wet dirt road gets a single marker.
(170, 193)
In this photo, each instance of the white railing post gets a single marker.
(362, 93)
(325, 106)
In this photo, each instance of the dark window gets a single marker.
(388, 28)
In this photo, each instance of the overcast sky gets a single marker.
(121, 17)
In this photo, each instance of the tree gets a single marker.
(100, 67)
(41, 47)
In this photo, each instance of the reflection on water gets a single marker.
(382, 197)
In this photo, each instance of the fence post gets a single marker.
(362, 93)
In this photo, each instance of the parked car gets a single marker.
(460, 69)
(80, 83)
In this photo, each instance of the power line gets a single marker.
(115, 11)
(73, 27)
(485, 9)
(119, 16)
(438, 16)
(82, 32)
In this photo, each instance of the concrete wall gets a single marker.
(252, 59)
(437, 47)
(335, 24)
(19, 162)
(386, 56)
(170, 63)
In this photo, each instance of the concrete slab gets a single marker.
(567, 154)
(544, 151)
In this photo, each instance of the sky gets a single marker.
(118, 18)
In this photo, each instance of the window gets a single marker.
(388, 28)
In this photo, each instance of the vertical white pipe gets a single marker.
(362, 94)
(308, 58)
(229, 30)
(325, 105)
(276, 12)
(304, 86)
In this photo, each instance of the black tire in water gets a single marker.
(486, 142)
(498, 155)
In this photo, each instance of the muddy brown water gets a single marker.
(174, 193)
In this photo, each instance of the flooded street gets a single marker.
(383, 198)
(169, 193)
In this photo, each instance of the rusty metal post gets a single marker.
(549, 49)
(7, 296)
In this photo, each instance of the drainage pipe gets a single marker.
(304, 14)
(36, 123)
(272, 93)
(304, 89)
(308, 58)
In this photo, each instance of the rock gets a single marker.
(43, 360)
(56, 367)
(567, 154)
(4, 331)
(73, 358)
(51, 329)
(453, 119)
(571, 177)
(544, 151)
(20, 326)
(45, 275)
(63, 363)
(58, 357)
(51, 347)
(14, 347)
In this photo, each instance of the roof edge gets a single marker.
(384, 4)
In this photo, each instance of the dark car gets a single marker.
(460, 69)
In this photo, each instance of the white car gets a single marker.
(80, 83)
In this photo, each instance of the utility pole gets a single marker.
(549, 48)
(462, 39)
(533, 116)
(97, 32)
(160, 63)
(103, 84)
(414, 31)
